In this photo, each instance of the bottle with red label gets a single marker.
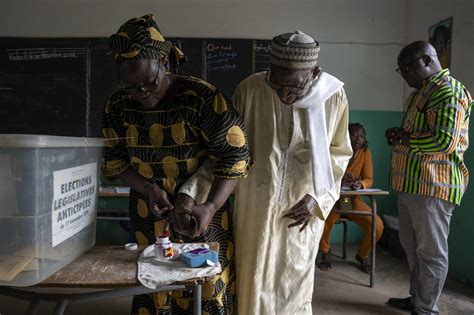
(163, 247)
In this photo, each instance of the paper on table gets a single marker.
(369, 190)
(46, 252)
(11, 266)
(33, 265)
(122, 190)
(107, 189)
(115, 189)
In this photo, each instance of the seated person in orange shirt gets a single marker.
(358, 176)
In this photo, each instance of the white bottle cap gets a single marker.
(164, 239)
(131, 246)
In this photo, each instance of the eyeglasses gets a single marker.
(406, 67)
(147, 87)
(291, 88)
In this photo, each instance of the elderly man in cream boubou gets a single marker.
(297, 120)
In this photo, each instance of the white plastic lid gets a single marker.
(44, 141)
(131, 246)
(161, 240)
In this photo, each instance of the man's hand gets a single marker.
(405, 136)
(183, 201)
(203, 214)
(391, 135)
(397, 135)
(301, 212)
(159, 202)
(182, 222)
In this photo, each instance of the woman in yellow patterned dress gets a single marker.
(160, 129)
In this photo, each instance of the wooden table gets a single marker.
(111, 269)
(372, 194)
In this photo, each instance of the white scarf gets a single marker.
(321, 89)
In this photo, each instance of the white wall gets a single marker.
(360, 38)
(422, 14)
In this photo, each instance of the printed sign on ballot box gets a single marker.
(74, 200)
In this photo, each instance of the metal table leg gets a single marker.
(33, 307)
(197, 299)
(61, 307)
(374, 216)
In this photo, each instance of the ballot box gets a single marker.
(48, 204)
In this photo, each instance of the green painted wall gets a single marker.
(461, 237)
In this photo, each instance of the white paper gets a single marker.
(32, 265)
(122, 190)
(369, 190)
(74, 201)
(107, 189)
(11, 266)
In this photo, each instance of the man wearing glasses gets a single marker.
(428, 170)
(297, 122)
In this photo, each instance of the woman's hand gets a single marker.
(159, 202)
(356, 185)
(347, 180)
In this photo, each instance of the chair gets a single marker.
(342, 220)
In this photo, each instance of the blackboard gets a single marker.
(58, 86)
(227, 62)
(43, 86)
(261, 55)
(103, 82)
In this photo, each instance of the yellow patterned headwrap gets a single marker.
(139, 38)
(177, 57)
